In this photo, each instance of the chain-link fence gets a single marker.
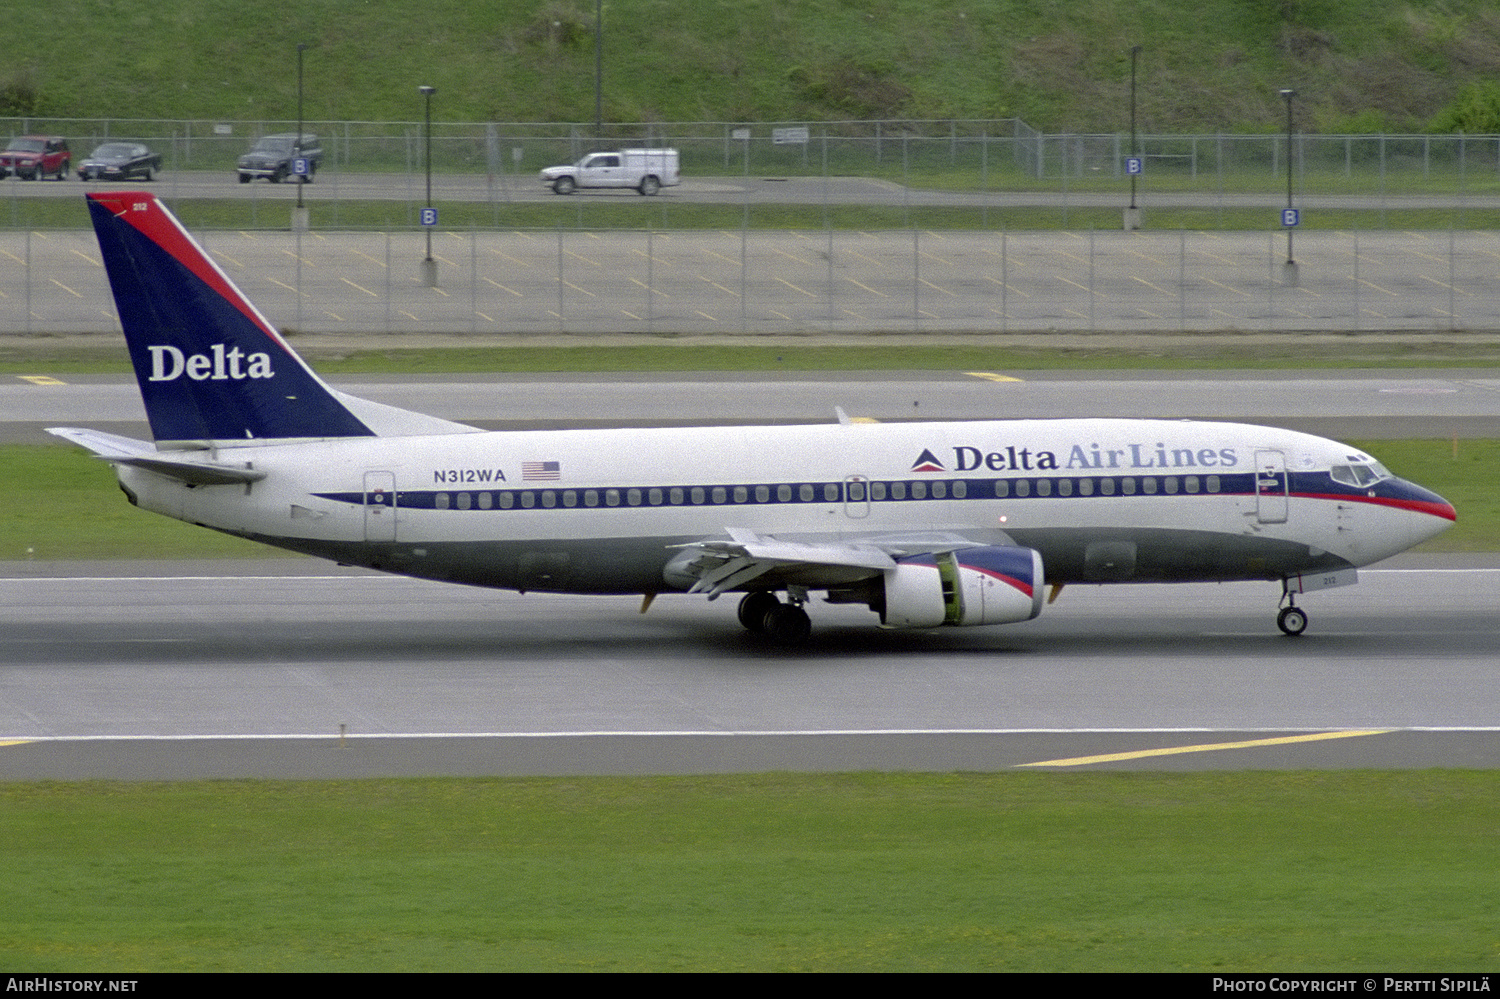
(967, 154)
(750, 281)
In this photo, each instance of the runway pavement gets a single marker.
(1368, 404)
(171, 671)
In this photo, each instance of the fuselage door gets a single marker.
(856, 496)
(380, 506)
(1270, 487)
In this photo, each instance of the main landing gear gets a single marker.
(783, 623)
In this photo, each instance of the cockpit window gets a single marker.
(1360, 475)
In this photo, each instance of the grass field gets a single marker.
(865, 872)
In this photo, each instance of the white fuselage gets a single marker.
(600, 511)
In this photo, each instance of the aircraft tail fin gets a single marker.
(211, 367)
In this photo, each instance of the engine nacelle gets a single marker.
(999, 585)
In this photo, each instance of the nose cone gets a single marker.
(1435, 514)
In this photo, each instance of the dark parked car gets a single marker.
(273, 156)
(36, 157)
(120, 161)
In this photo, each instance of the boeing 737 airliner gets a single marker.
(927, 524)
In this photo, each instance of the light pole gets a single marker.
(1289, 219)
(1135, 54)
(1133, 213)
(297, 147)
(429, 215)
(598, 70)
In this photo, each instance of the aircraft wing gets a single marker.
(725, 565)
(119, 450)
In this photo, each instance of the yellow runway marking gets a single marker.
(359, 287)
(15, 742)
(92, 260)
(41, 380)
(502, 287)
(585, 291)
(1008, 287)
(991, 376)
(1141, 754)
(860, 284)
(654, 291)
(1237, 291)
(795, 288)
(65, 288)
(1148, 284)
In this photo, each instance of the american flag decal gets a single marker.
(541, 471)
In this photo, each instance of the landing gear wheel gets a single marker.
(787, 624)
(754, 607)
(1292, 620)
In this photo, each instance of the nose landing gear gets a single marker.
(1293, 619)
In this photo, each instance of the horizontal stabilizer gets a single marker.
(119, 450)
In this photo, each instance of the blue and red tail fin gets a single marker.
(210, 366)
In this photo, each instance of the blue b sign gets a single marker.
(1134, 166)
(1290, 217)
(300, 167)
(429, 216)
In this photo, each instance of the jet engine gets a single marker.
(989, 585)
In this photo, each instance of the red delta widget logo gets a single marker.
(220, 364)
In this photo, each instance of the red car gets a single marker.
(34, 157)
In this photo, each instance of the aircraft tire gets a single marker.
(787, 624)
(1292, 621)
(754, 607)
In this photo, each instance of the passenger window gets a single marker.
(1213, 483)
(486, 500)
(762, 494)
(654, 497)
(591, 497)
(1085, 487)
(1127, 486)
(440, 501)
(939, 490)
(1002, 489)
(463, 501)
(570, 498)
(507, 500)
(1148, 486)
(830, 492)
(549, 498)
(720, 494)
(674, 496)
(697, 494)
(741, 494)
(1190, 483)
(1065, 487)
(960, 489)
(633, 497)
(1106, 487)
(1023, 487)
(784, 493)
(918, 490)
(898, 490)
(805, 493)
(611, 497)
(1044, 487)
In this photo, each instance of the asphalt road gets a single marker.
(1369, 404)
(226, 669)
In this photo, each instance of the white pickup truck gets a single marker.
(646, 170)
